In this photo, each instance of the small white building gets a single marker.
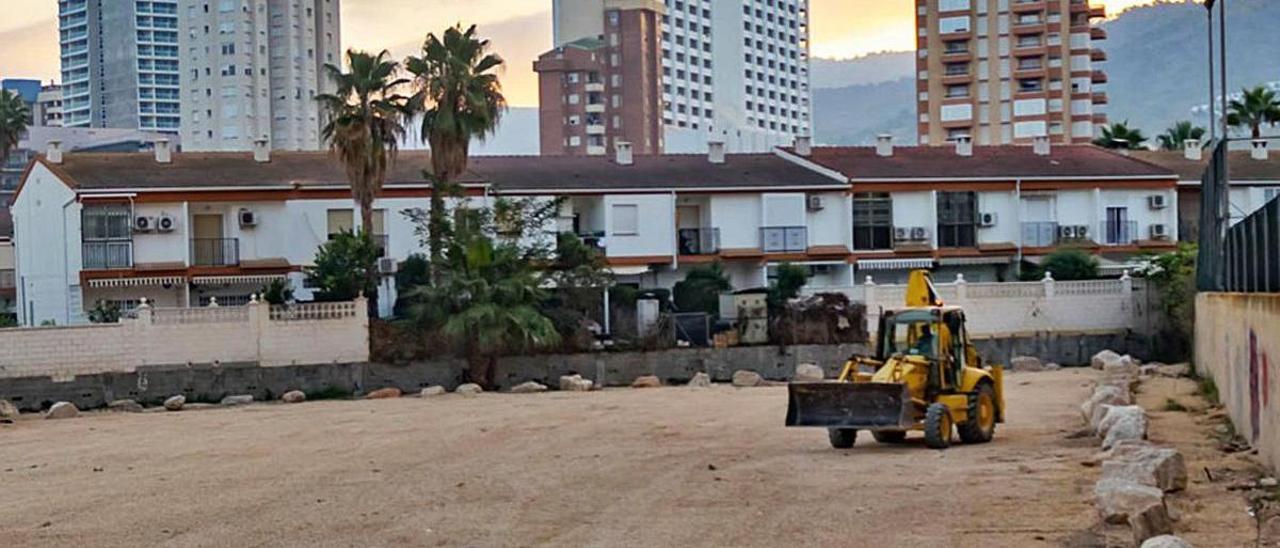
(1254, 180)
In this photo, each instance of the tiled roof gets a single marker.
(200, 170)
(1243, 167)
(987, 162)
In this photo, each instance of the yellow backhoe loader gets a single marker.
(925, 375)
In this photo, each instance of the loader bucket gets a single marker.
(863, 406)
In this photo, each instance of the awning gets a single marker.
(1110, 267)
(261, 279)
(629, 270)
(137, 282)
(894, 264)
(967, 261)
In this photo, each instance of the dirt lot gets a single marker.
(655, 467)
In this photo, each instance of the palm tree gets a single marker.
(1120, 136)
(364, 123)
(460, 99)
(1177, 134)
(1258, 106)
(488, 305)
(14, 115)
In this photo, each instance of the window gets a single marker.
(107, 235)
(957, 213)
(872, 220)
(340, 220)
(626, 219)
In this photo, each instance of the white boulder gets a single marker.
(1103, 395)
(1121, 424)
(175, 403)
(1159, 467)
(700, 380)
(468, 389)
(1026, 363)
(432, 391)
(575, 383)
(125, 406)
(62, 410)
(1101, 359)
(1117, 500)
(646, 381)
(1150, 521)
(808, 372)
(1165, 541)
(745, 379)
(8, 410)
(238, 399)
(529, 387)
(294, 396)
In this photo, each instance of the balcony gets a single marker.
(1027, 6)
(1099, 98)
(1037, 27)
(1027, 49)
(1039, 234)
(699, 241)
(595, 108)
(1097, 55)
(594, 87)
(1119, 232)
(1098, 33)
(107, 255)
(784, 239)
(1029, 71)
(215, 252)
(1097, 12)
(1098, 77)
(595, 129)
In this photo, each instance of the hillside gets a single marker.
(1156, 70)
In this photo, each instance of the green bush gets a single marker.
(345, 268)
(701, 288)
(786, 286)
(1071, 264)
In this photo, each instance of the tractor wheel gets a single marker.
(889, 436)
(981, 426)
(842, 438)
(937, 426)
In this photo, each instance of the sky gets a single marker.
(519, 29)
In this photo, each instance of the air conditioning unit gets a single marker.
(248, 218)
(816, 203)
(1066, 232)
(1156, 201)
(166, 223)
(901, 233)
(1082, 232)
(1159, 231)
(143, 223)
(388, 266)
(987, 219)
(919, 233)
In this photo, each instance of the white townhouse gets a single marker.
(1254, 180)
(983, 211)
(183, 229)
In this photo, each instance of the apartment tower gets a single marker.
(602, 87)
(1007, 71)
(120, 64)
(252, 69)
(732, 71)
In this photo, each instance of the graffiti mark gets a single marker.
(1259, 385)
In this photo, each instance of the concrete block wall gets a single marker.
(255, 334)
(1238, 346)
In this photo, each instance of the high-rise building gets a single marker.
(120, 63)
(1007, 71)
(604, 87)
(252, 69)
(733, 71)
(48, 107)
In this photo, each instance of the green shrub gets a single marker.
(1071, 264)
(701, 288)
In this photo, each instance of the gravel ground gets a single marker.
(625, 467)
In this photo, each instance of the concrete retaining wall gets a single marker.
(206, 382)
(1237, 335)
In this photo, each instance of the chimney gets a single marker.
(623, 149)
(163, 154)
(1041, 145)
(1192, 150)
(715, 152)
(1259, 151)
(261, 151)
(804, 145)
(964, 145)
(884, 145)
(54, 152)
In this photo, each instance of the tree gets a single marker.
(701, 288)
(14, 115)
(279, 291)
(1175, 137)
(364, 122)
(489, 304)
(460, 98)
(105, 312)
(1071, 264)
(1256, 107)
(786, 286)
(1120, 136)
(345, 267)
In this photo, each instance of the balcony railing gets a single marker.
(699, 241)
(8, 280)
(784, 239)
(215, 252)
(107, 255)
(1119, 233)
(1039, 234)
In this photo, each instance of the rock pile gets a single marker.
(1135, 474)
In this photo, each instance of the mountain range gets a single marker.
(1157, 72)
